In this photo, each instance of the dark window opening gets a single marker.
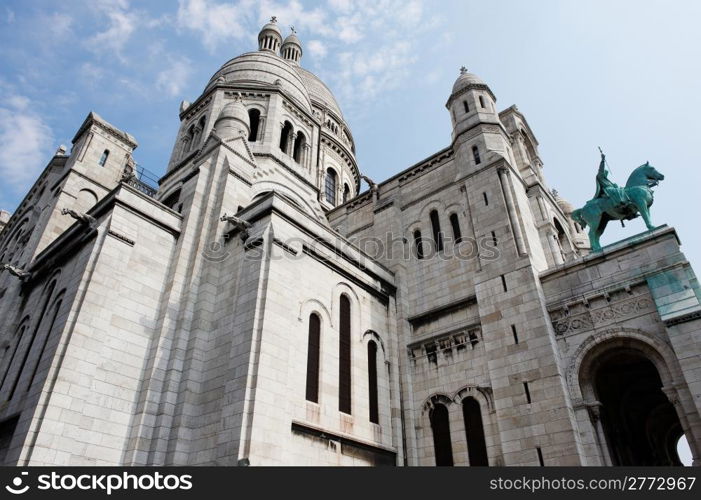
(494, 238)
(474, 339)
(254, 119)
(486, 200)
(527, 391)
(455, 223)
(418, 245)
(285, 136)
(298, 149)
(436, 227)
(476, 445)
(540, 456)
(476, 155)
(103, 158)
(467, 108)
(372, 382)
(346, 193)
(513, 330)
(431, 353)
(331, 186)
(344, 356)
(503, 283)
(313, 348)
(440, 425)
(481, 102)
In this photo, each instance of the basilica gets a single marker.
(254, 306)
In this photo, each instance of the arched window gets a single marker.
(199, 130)
(314, 345)
(56, 309)
(103, 158)
(346, 193)
(254, 119)
(298, 149)
(455, 224)
(476, 155)
(372, 382)
(17, 340)
(418, 244)
(285, 136)
(187, 140)
(440, 425)
(467, 108)
(476, 446)
(28, 350)
(344, 356)
(481, 102)
(331, 186)
(436, 227)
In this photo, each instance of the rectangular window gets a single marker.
(540, 456)
(486, 200)
(455, 223)
(312, 392)
(372, 382)
(344, 356)
(513, 330)
(503, 283)
(494, 238)
(527, 391)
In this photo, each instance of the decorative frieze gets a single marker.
(608, 307)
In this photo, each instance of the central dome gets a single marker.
(263, 68)
(319, 91)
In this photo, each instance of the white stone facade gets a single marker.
(460, 318)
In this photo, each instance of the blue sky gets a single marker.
(622, 75)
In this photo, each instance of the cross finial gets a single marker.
(463, 70)
(292, 29)
(273, 19)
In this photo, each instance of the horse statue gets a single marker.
(612, 202)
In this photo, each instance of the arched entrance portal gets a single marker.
(640, 425)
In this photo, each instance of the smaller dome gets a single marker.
(292, 38)
(466, 79)
(564, 205)
(232, 119)
(270, 36)
(272, 25)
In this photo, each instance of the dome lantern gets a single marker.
(291, 50)
(270, 37)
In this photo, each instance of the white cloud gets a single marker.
(60, 24)
(292, 12)
(366, 74)
(122, 24)
(215, 22)
(317, 49)
(25, 143)
(173, 79)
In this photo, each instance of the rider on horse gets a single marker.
(606, 188)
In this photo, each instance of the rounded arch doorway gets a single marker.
(640, 425)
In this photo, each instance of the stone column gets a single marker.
(505, 178)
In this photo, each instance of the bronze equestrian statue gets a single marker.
(612, 202)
